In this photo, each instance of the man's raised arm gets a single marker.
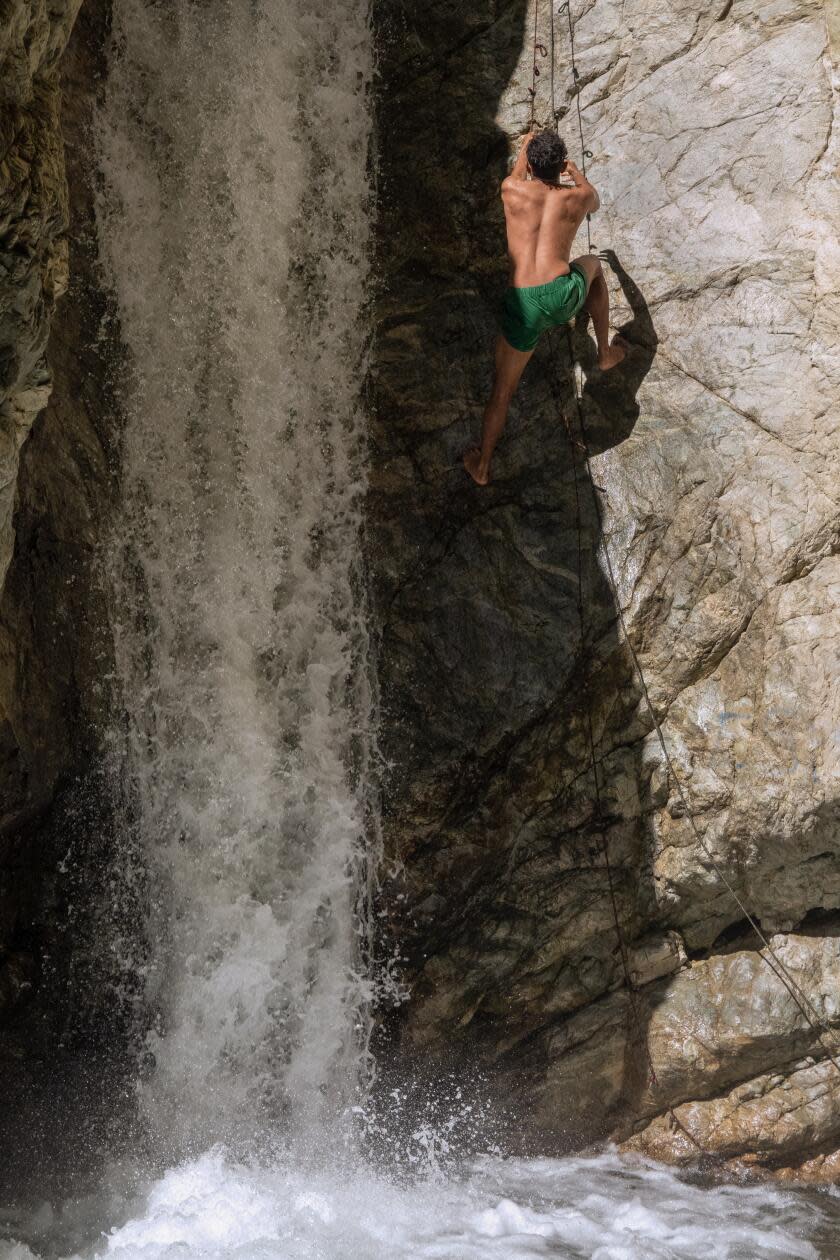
(520, 166)
(581, 182)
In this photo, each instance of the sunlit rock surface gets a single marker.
(715, 460)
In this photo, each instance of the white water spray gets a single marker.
(234, 228)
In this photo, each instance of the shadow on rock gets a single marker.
(499, 906)
(610, 399)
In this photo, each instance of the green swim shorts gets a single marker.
(528, 312)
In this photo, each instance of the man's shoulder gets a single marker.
(524, 189)
(567, 203)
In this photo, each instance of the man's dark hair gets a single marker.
(547, 155)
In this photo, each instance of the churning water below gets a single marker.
(598, 1207)
(234, 228)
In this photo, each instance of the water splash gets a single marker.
(587, 1208)
(234, 225)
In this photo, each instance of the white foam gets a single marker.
(599, 1208)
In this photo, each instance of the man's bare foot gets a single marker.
(472, 463)
(613, 354)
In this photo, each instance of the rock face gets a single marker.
(714, 461)
(57, 473)
(33, 274)
(33, 223)
(62, 1055)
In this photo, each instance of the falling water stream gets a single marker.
(234, 222)
(234, 227)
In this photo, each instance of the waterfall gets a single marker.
(234, 230)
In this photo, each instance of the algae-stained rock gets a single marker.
(33, 223)
(715, 464)
(34, 216)
(34, 674)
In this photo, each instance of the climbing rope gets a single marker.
(812, 1017)
(584, 152)
(599, 820)
(540, 50)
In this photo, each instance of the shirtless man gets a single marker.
(546, 290)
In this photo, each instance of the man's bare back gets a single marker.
(542, 217)
(542, 221)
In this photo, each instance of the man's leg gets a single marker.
(598, 304)
(510, 364)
